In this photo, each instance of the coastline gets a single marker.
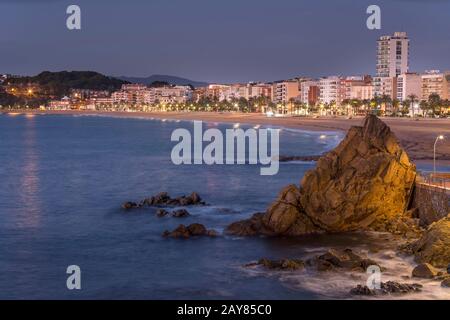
(415, 136)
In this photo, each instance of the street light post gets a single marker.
(440, 137)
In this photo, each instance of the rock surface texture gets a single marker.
(366, 182)
(434, 246)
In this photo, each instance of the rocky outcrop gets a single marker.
(386, 288)
(163, 199)
(331, 260)
(365, 182)
(249, 227)
(193, 230)
(341, 259)
(434, 246)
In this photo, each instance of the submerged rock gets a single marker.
(434, 246)
(285, 264)
(162, 213)
(425, 271)
(182, 213)
(129, 205)
(193, 230)
(364, 183)
(386, 288)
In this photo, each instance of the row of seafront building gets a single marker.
(393, 80)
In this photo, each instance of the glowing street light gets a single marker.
(440, 137)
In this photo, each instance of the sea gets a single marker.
(63, 179)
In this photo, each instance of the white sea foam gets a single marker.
(337, 285)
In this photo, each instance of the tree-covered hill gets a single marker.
(60, 83)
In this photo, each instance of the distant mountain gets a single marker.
(164, 78)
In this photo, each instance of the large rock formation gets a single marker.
(366, 181)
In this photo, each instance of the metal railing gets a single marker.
(439, 180)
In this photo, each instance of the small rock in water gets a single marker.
(197, 229)
(180, 213)
(360, 290)
(212, 233)
(193, 230)
(162, 213)
(180, 232)
(446, 283)
(424, 271)
(129, 205)
(386, 288)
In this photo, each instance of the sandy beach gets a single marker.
(416, 136)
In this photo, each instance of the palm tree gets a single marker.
(405, 107)
(435, 103)
(424, 106)
(412, 98)
(395, 106)
(291, 104)
(386, 100)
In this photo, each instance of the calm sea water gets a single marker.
(64, 178)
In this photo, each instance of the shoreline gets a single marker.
(417, 137)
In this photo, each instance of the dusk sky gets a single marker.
(217, 41)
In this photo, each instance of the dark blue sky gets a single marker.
(217, 41)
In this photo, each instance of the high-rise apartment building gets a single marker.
(393, 55)
(392, 61)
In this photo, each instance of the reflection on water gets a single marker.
(29, 199)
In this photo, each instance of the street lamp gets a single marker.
(440, 137)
